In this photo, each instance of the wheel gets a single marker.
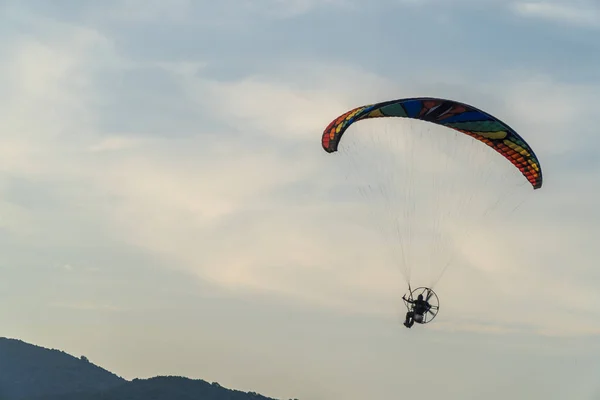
(428, 295)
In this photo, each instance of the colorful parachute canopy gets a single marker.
(458, 116)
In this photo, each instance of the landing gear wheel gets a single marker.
(429, 296)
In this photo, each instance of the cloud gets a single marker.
(298, 101)
(582, 13)
(148, 11)
(114, 143)
(245, 198)
(87, 307)
(223, 13)
(290, 8)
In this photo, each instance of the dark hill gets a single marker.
(29, 372)
(164, 388)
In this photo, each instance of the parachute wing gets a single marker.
(458, 116)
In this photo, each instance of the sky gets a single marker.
(166, 207)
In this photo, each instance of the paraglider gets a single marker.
(404, 194)
(458, 116)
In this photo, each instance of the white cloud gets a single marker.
(222, 13)
(280, 105)
(114, 143)
(149, 10)
(289, 8)
(86, 307)
(582, 13)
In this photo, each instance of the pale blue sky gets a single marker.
(161, 210)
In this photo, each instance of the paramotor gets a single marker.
(430, 179)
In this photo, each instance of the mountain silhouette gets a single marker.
(30, 372)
